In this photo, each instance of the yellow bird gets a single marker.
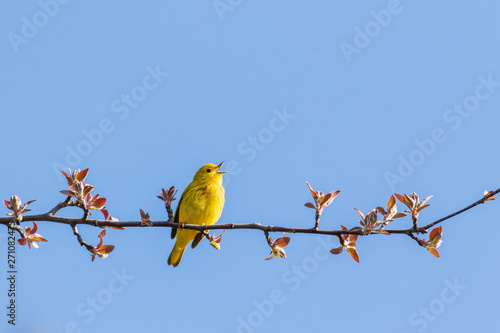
(201, 203)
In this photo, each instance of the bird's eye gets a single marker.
(208, 170)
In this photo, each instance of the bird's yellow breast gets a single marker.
(202, 204)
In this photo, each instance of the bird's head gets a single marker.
(210, 173)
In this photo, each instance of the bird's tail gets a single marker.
(176, 255)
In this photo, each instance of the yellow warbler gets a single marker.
(201, 203)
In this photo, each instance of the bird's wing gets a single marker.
(197, 239)
(176, 217)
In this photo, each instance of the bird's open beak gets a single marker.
(217, 169)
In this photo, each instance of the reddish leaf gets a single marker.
(398, 215)
(426, 199)
(38, 238)
(360, 214)
(87, 189)
(35, 228)
(99, 203)
(100, 242)
(353, 239)
(21, 241)
(436, 231)
(105, 213)
(102, 233)
(354, 253)
(391, 202)
(68, 178)
(419, 209)
(344, 235)
(309, 205)
(314, 195)
(82, 175)
(327, 199)
(435, 237)
(400, 198)
(433, 251)
(337, 250)
(29, 202)
(66, 192)
(106, 248)
(282, 242)
(7, 204)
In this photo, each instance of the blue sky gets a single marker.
(370, 98)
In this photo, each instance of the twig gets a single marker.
(59, 206)
(341, 240)
(480, 201)
(80, 239)
(412, 236)
(19, 229)
(268, 238)
(317, 217)
(85, 214)
(415, 224)
(170, 212)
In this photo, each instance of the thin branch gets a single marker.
(169, 224)
(415, 223)
(317, 217)
(85, 214)
(19, 229)
(60, 206)
(268, 238)
(170, 212)
(412, 236)
(80, 239)
(49, 217)
(341, 240)
(480, 201)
